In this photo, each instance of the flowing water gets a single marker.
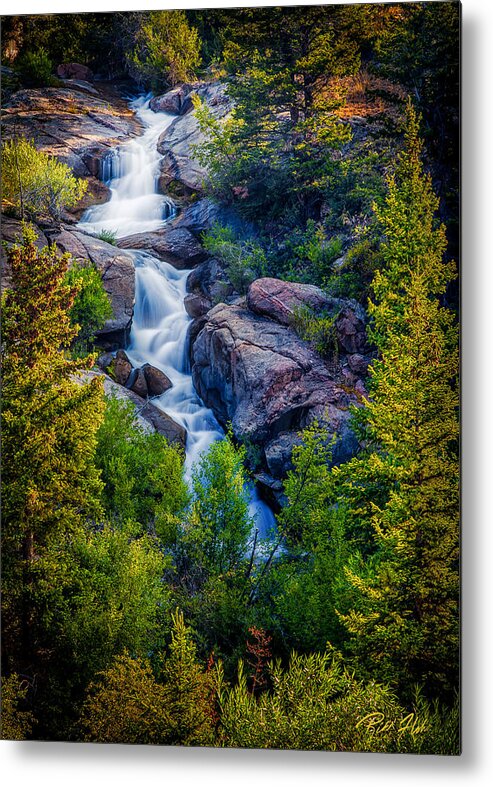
(160, 322)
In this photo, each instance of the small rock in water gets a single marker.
(121, 367)
(157, 381)
(140, 385)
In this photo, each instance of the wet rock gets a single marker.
(209, 279)
(196, 305)
(202, 214)
(121, 367)
(177, 246)
(157, 381)
(150, 417)
(138, 383)
(68, 122)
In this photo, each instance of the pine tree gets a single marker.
(404, 619)
(49, 424)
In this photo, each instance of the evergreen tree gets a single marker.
(49, 424)
(404, 618)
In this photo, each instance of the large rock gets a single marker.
(176, 101)
(209, 279)
(118, 275)
(157, 381)
(77, 127)
(202, 214)
(270, 384)
(121, 367)
(176, 144)
(74, 71)
(175, 245)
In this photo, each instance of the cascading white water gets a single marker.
(160, 322)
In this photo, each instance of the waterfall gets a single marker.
(160, 322)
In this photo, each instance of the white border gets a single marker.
(80, 765)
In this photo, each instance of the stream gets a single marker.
(160, 322)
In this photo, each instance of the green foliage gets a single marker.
(219, 524)
(108, 236)
(167, 50)
(49, 424)
(15, 723)
(141, 472)
(128, 704)
(91, 307)
(319, 329)
(316, 703)
(35, 69)
(307, 255)
(275, 153)
(35, 183)
(404, 621)
(49, 421)
(244, 260)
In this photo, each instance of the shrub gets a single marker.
(36, 183)
(319, 329)
(91, 307)
(142, 473)
(36, 69)
(108, 236)
(244, 260)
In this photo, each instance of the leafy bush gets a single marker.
(316, 703)
(244, 260)
(91, 307)
(36, 183)
(142, 473)
(15, 723)
(167, 50)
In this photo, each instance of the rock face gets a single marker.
(261, 376)
(210, 281)
(177, 101)
(118, 275)
(175, 245)
(76, 126)
(200, 216)
(176, 143)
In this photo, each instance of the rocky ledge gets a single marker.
(254, 371)
(78, 123)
